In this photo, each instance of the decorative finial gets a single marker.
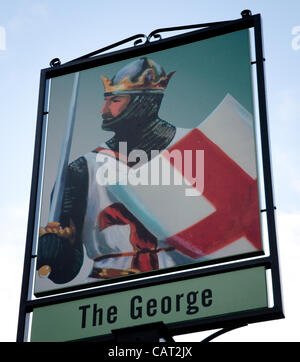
(55, 62)
(246, 13)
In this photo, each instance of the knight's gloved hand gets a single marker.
(61, 257)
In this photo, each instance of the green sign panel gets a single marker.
(173, 302)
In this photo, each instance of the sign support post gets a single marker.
(267, 163)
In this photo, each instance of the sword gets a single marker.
(58, 191)
(57, 199)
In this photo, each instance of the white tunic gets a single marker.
(116, 238)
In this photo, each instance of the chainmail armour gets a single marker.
(140, 126)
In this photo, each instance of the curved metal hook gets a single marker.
(154, 35)
(138, 41)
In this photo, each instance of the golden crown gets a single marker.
(147, 78)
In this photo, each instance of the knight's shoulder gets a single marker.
(180, 133)
(82, 163)
(79, 165)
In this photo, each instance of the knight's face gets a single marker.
(114, 105)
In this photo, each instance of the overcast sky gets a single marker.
(33, 32)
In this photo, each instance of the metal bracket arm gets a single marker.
(154, 34)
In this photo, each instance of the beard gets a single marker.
(107, 116)
(106, 121)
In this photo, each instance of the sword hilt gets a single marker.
(55, 228)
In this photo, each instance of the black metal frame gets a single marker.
(229, 321)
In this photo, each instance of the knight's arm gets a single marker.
(60, 247)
